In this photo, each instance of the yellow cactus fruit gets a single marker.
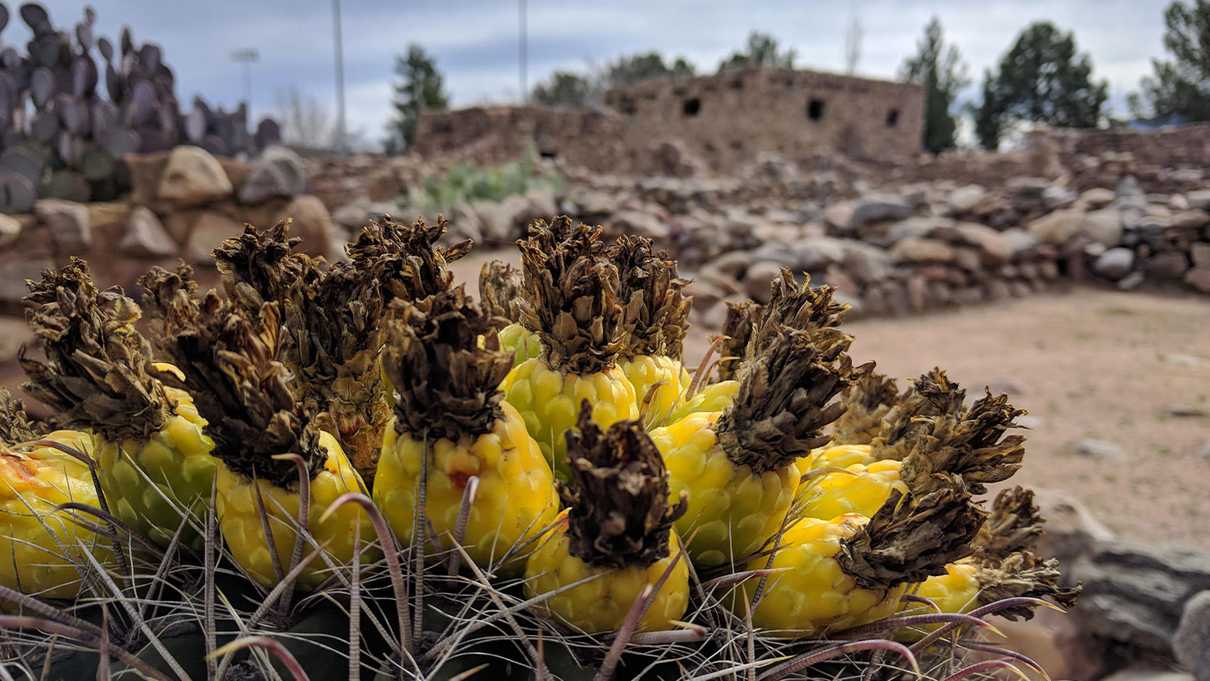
(41, 547)
(618, 529)
(153, 459)
(738, 467)
(451, 426)
(657, 318)
(571, 300)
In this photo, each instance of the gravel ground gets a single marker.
(1126, 375)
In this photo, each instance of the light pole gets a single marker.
(523, 48)
(246, 56)
(340, 79)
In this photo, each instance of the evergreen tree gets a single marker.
(1179, 91)
(941, 71)
(1044, 80)
(639, 67)
(419, 87)
(762, 50)
(564, 88)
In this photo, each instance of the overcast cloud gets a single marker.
(476, 41)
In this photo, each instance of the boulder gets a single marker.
(1142, 673)
(313, 225)
(1114, 263)
(852, 215)
(1199, 252)
(1057, 196)
(1056, 642)
(1098, 197)
(921, 251)
(464, 223)
(1058, 227)
(919, 226)
(499, 218)
(734, 264)
(193, 177)
(208, 230)
(145, 173)
(1192, 641)
(1167, 265)
(145, 236)
(1189, 219)
(68, 224)
(1198, 278)
(993, 245)
(10, 229)
(13, 274)
(636, 222)
(965, 198)
(1199, 200)
(1136, 595)
(279, 172)
(14, 333)
(879, 208)
(1021, 241)
(759, 276)
(1104, 226)
(866, 263)
(816, 254)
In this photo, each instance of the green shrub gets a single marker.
(466, 182)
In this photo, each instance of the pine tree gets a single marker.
(1041, 79)
(941, 71)
(420, 88)
(564, 88)
(1179, 90)
(761, 51)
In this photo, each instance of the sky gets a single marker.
(475, 42)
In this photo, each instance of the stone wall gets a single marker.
(685, 125)
(585, 138)
(731, 117)
(183, 203)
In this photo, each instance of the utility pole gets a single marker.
(246, 56)
(852, 40)
(524, 55)
(340, 79)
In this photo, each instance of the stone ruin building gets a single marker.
(683, 124)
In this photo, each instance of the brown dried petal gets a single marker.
(867, 402)
(1022, 574)
(501, 290)
(971, 445)
(231, 361)
(16, 426)
(571, 296)
(97, 371)
(785, 399)
(1015, 524)
(447, 385)
(619, 515)
(797, 306)
(653, 297)
(911, 539)
(737, 333)
(933, 394)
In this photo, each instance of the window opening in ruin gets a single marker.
(548, 153)
(737, 84)
(892, 118)
(627, 106)
(815, 109)
(691, 106)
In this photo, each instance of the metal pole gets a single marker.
(340, 80)
(524, 49)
